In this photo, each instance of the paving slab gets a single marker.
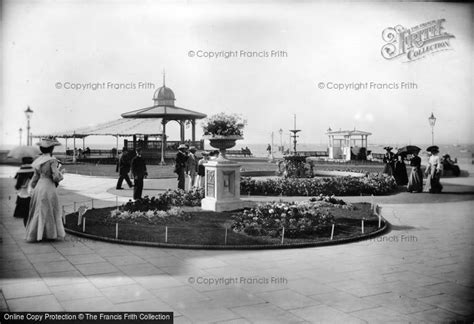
(419, 271)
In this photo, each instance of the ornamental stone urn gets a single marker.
(222, 178)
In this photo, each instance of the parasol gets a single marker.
(22, 151)
(409, 149)
(432, 148)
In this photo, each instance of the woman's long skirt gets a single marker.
(400, 174)
(45, 219)
(433, 184)
(22, 208)
(415, 182)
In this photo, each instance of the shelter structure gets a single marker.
(146, 126)
(348, 144)
(164, 108)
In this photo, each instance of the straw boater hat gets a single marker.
(26, 165)
(48, 142)
(182, 147)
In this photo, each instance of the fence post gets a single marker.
(372, 205)
(116, 201)
(332, 232)
(166, 234)
(362, 226)
(282, 235)
(225, 237)
(116, 230)
(84, 224)
(75, 207)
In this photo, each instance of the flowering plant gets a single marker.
(149, 216)
(373, 183)
(298, 219)
(224, 125)
(165, 200)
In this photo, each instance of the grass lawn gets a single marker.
(154, 171)
(208, 228)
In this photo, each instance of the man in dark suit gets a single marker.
(123, 168)
(180, 164)
(139, 172)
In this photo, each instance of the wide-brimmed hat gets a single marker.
(388, 148)
(182, 146)
(433, 149)
(48, 142)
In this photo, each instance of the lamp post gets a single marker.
(28, 114)
(432, 121)
(20, 131)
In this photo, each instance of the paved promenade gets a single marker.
(419, 272)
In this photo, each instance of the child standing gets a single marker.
(23, 177)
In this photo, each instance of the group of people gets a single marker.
(133, 162)
(37, 200)
(395, 166)
(188, 164)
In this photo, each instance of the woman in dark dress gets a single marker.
(400, 171)
(23, 177)
(415, 183)
(388, 159)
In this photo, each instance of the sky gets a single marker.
(49, 46)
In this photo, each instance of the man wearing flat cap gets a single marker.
(180, 164)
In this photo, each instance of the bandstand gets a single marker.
(144, 128)
(164, 108)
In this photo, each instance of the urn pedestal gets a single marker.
(222, 179)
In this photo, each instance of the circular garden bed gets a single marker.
(319, 221)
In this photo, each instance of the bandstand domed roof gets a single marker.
(164, 93)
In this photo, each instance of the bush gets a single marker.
(155, 217)
(298, 219)
(373, 183)
(166, 200)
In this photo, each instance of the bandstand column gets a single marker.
(193, 127)
(163, 142)
(181, 125)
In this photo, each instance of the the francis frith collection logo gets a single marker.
(416, 42)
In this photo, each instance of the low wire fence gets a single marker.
(75, 218)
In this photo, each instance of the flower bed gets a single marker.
(373, 183)
(299, 219)
(166, 200)
(156, 217)
(188, 227)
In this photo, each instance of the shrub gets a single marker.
(166, 200)
(150, 216)
(298, 219)
(373, 183)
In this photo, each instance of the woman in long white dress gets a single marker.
(45, 219)
(433, 171)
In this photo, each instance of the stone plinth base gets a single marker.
(225, 205)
